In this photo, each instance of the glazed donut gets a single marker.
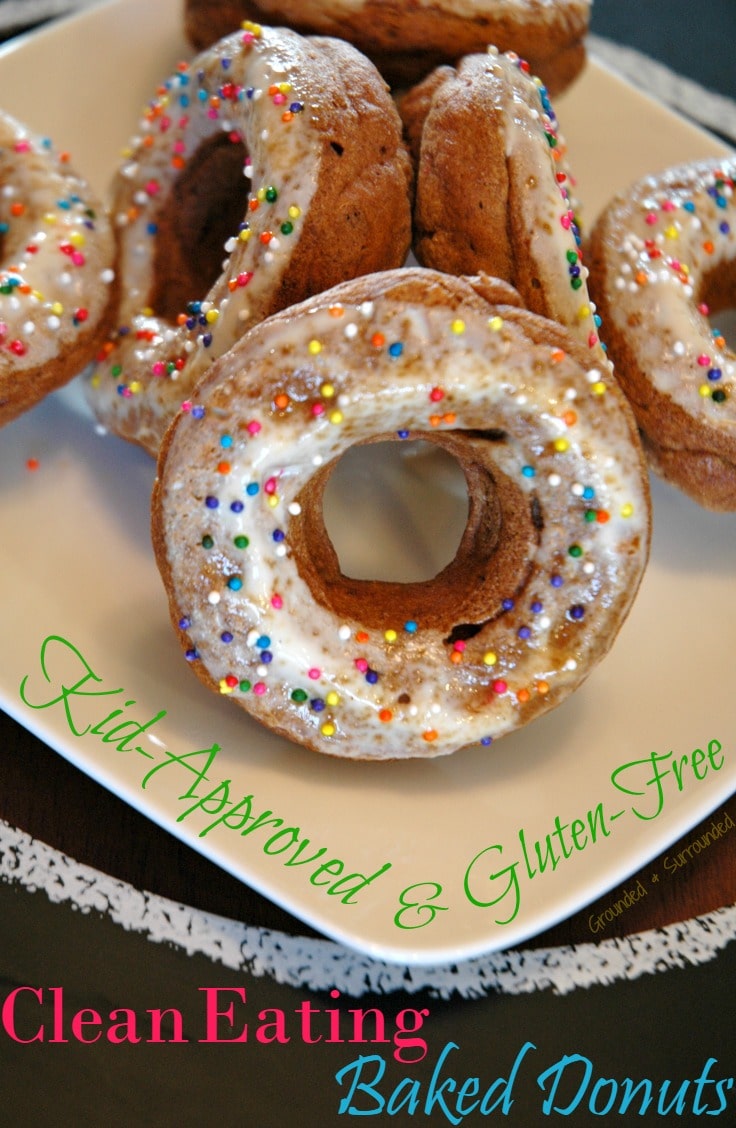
(325, 196)
(662, 258)
(57, 278)
(555, 544)
(406, 41)
(493, 188)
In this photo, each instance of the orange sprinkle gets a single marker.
(177, 162)
(557, 355)
(435, 420)
(336, 311)
(602, 516)
(281, 401)
(523, 696)
(17, 209)
(570, 418)
(456, 656)
(223, 467)
(543, 687)
(449, 417)
(378, 340)
(708, 247)
(32, 464)
(287, 116)
(641, 278)
(430, 735)
(253, 204)
(385, 715)
(361, 636)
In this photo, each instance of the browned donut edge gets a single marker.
(406, 43)
(681, 449)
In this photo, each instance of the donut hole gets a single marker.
(492, 536)
(204, 209)
(395, 510)
(718, 293)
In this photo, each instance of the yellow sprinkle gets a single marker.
(490, 658)
(627, 510)
(458, 326)
(77, 239)
(328, 729)
(327, 391)
(261, 194)
(561, 445)
(332, 698)
(390, 636)
(224, 687)
(284, 87)
(336, 417)
(211, 316)
(273, 500)
(50, 218)
(495, 323)
(244, 235)
(671, 232)
(315, 347)
(704, 390)
(599, 388)
(135, 387)
(294, 212)
(584, 312)
(57, 308)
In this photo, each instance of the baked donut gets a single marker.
(555, 545)
(493, 187)
(662, 259)
(325, 196)
(57, 278)
(406, 41)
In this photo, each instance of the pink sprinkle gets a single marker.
(244, 277)
(314, 673)
(159, 368)
(668, 206)
(651, 219)
(152, 187)
(592, 340)
(277, 602)
(361, 664)
(459, 645)
(186, 406)
(253, 427)
(270, 486)
(318, 409)
(78, 258)
(566, 221)
(22, 146)
(279, 99)
(703, 360)
(259, 688)
(500, 686)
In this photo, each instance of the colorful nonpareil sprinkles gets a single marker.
(56, 286)
(677, 234)
(398, 685)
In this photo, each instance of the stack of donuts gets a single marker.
(261, 315)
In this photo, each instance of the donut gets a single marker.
(57, 277)
(554, 547)
(662, 260)
(493, 187)
(279, 154)
(406, 41)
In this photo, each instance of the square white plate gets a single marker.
(77, 566)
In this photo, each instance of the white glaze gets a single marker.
(663, 238)
(58, 253)
(348, 390)
(283, 154)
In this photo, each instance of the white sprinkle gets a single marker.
(213, 597)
